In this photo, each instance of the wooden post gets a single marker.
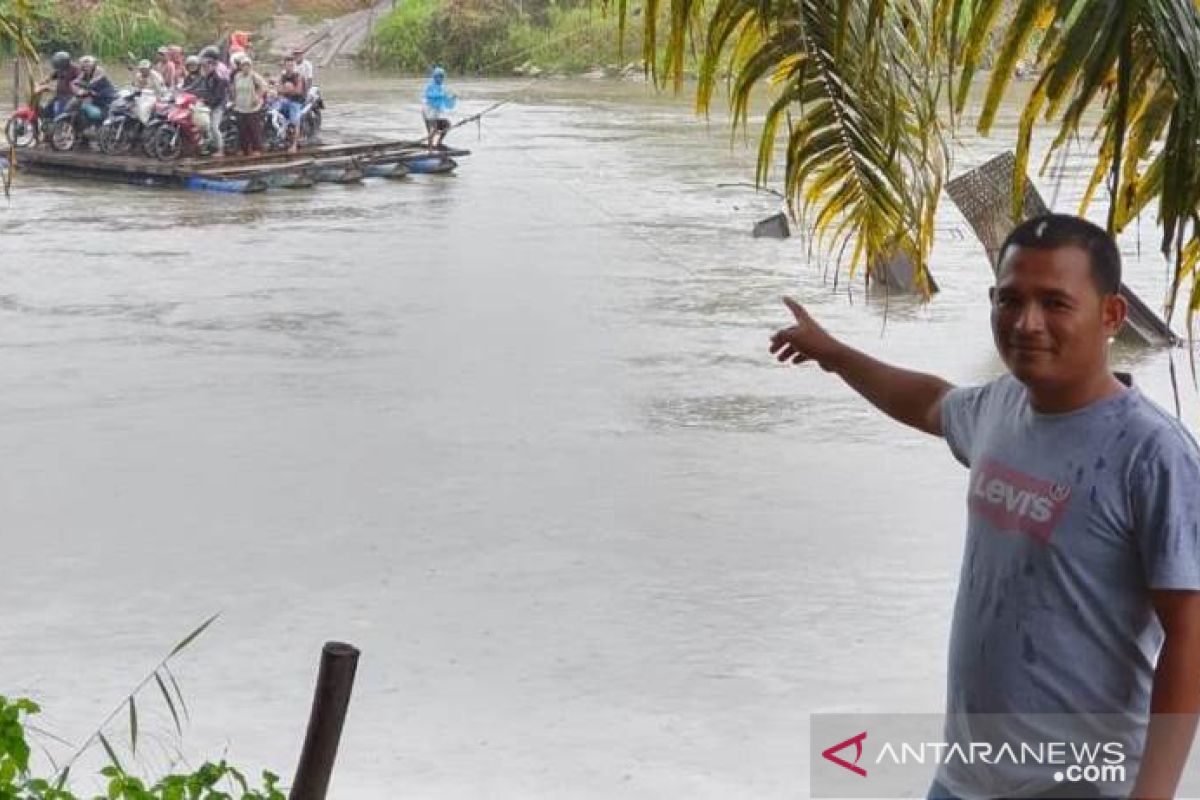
(331, 699)
(16, 81)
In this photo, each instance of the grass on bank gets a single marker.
(490, 37)
(107, 29)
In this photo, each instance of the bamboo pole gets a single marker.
(16, 80)
(331, 699)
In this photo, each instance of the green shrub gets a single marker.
(403, 39)
(116, 28)
(211, 781)
(570, 40)
(108, 30)
(489, 36)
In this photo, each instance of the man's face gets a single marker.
(1049, 320)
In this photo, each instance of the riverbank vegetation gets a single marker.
(499, 37)
(109, 29)
(113, 29)
(21, 779)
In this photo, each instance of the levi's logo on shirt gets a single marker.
(1014, 501)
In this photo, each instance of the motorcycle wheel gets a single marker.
(275, 132)
(107, 139)
(20, 132)
(121, 140)
(314, 136)
(229, 136)
(168, 143)
(308, 129)
(63, 135)
(150, 139)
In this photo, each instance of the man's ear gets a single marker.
(1114, 311)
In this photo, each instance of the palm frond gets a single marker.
(857, 82)
(1140, 63)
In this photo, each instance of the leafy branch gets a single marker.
(211, 781)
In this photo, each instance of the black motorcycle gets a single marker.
(122, 130)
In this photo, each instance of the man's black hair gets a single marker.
(1052, 231)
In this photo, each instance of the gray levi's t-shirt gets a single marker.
(1073, 519)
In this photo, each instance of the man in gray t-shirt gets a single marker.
(1079, 597)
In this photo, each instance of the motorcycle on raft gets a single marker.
(186, 129)
(278, 131)
(131, 119)
(79, 122)
(30, 123)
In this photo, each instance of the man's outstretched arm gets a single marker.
(913, 398)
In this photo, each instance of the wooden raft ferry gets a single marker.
(334, 163)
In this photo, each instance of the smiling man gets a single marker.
(1080, 587)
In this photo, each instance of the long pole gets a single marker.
(16, 80)
(331, 699)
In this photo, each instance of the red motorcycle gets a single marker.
(29, 124)
(181, 131)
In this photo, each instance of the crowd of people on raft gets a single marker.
(220, 77)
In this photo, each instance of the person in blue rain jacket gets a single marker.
(436, 102)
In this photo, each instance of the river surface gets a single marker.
(514, 433)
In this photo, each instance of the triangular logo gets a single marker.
(858, 751)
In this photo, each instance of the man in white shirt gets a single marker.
(304, 66)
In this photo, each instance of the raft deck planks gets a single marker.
(209, 173)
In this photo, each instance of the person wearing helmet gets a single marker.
(62, 76)
(93, 84)
(437, 101)
(147, 79)
(213, 91)
(213, 53)
(249, 91)
(149, 87)
(191, 74)
(93, 91)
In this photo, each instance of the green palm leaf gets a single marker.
(857, 85)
